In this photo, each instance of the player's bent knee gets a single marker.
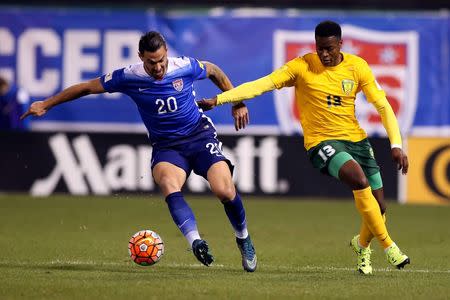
(352, 174)
(356, 181)
(360, 183)
(225, 192)
(168, 185)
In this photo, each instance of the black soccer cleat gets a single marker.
(201, 252)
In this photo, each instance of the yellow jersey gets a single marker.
(325, 96)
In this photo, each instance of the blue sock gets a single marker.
(236, 214)
(183, 216)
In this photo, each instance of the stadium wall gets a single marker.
(198, 4)
(46, 49)
(429, 178)
(105, 164)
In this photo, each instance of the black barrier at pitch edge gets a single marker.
(105, 164)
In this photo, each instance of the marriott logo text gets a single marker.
(127, 168)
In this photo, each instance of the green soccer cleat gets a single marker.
(249, 260)
(364, 265)
(201, 252)
(396, 257)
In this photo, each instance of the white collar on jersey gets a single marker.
(175, 63)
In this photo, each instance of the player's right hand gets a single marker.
(239, 111)
(207, 104)
(37, 108)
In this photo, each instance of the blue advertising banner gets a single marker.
(45, 50)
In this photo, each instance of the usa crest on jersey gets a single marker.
(392, 56)
(178, 84)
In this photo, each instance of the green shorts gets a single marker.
(339, 151)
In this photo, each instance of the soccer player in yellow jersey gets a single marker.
(326, 84)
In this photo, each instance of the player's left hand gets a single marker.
(400, 158)
(240, 115)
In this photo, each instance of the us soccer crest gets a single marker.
(178, 84)
(392, 56)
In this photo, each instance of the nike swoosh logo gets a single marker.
(183, 223)
(141, 90)
(252, 263)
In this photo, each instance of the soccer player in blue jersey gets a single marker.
(182, 137)
(13, 102)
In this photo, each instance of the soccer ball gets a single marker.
(146, 247)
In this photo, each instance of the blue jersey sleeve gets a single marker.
(198, 69)
(112, 82)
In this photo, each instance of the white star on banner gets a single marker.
(388, 55)
(304, 50)
(349, 47)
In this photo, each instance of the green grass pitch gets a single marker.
(65, 247)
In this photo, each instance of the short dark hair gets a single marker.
(151, 42)
(328, 28)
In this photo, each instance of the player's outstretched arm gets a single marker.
(242, 92)
(39, 108)
(239, 110)
(216, 75)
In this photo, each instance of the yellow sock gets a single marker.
(368, 207)
(365, 235)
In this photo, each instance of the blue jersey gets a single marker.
(167, 107)
(12, 105)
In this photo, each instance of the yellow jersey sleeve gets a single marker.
(368, 84)
(246, 90)
(284, 76)
(375, 95)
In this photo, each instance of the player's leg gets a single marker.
(365, 235)
(361, 242)
(170, 170)
(170, 180)
(220, 180)
(336, 158)
(364, 264)
(351, 173)
(209, 161)
(362, 152)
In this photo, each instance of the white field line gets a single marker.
(281, 268)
